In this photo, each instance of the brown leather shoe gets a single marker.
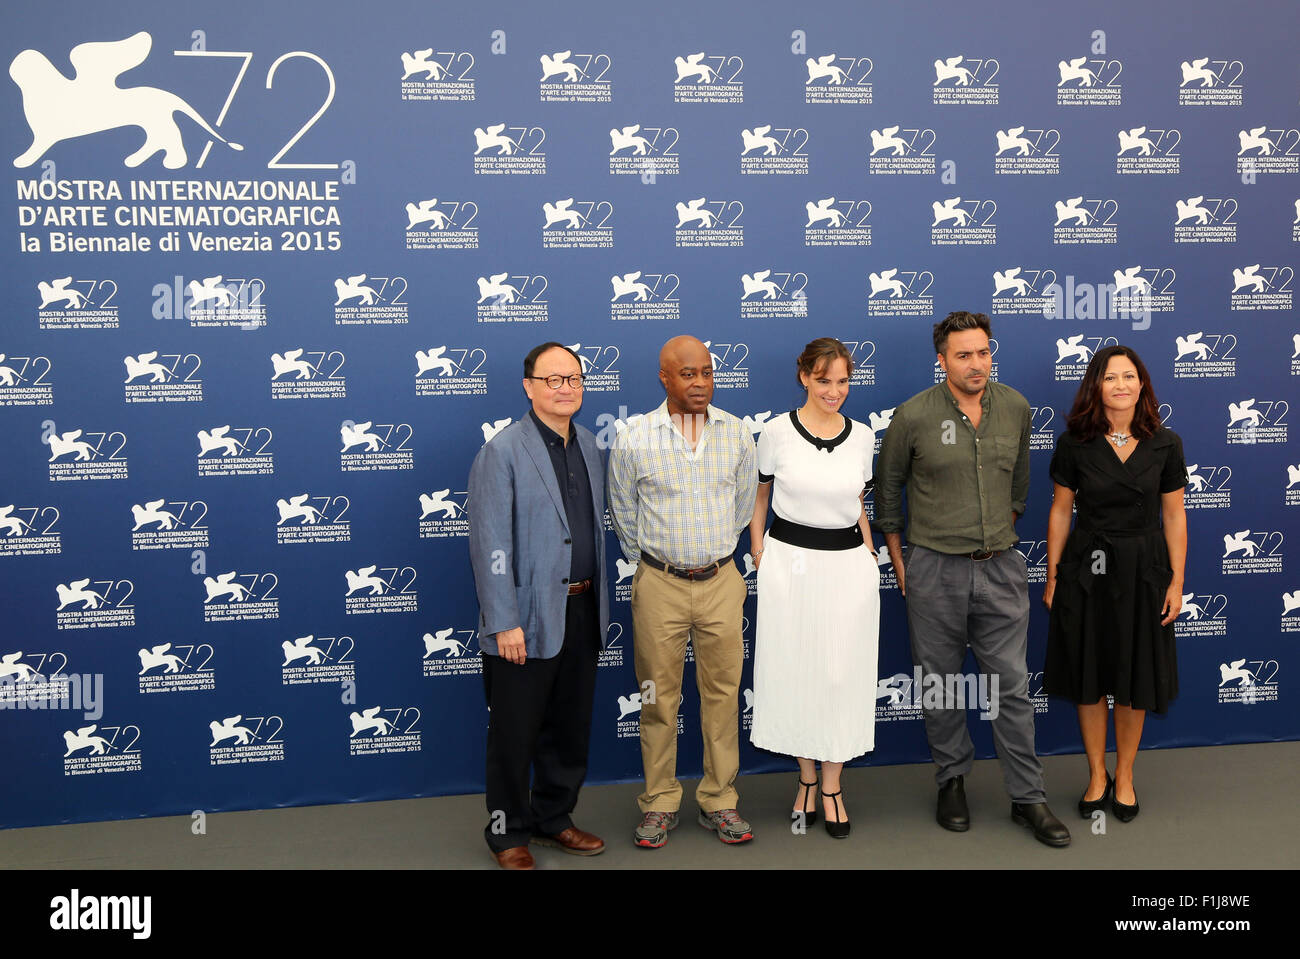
(573, 840)
(516, 857)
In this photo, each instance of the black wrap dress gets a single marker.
(1105, 634)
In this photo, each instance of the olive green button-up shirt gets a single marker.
(962, 483)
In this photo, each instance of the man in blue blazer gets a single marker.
(537, 544)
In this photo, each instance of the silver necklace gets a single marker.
(1119, 439)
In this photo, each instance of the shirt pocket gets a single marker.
(1005, 452)
(661, 476)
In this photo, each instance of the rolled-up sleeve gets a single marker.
(622, 493)
(892, 468)
(1020, 476)
(491, 539)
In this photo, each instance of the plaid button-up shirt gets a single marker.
(684, 507)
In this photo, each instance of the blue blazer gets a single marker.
(517, 533)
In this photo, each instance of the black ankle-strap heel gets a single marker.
(809, 818)
(837, 830)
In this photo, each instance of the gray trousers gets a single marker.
(952, 600)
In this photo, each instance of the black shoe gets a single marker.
(1089, 806)
(809, 817)
(1123, 811)
(952, 812)
(1047, 828)
(840, 829)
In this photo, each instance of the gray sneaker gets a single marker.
(653, 831)
(728, 825)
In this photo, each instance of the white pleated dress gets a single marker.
(816, 648)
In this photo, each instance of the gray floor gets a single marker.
(1222, 807)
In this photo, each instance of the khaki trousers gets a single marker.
(665, 609)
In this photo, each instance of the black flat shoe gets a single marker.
(809, 817)
(1047, 828)
(1089, 806)
(951, 811)
(1123, 811)
(837, 830)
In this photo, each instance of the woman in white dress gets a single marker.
(815, 656)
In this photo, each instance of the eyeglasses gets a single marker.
(555, 380)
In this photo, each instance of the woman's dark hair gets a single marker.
(820, 354)
(1087, 418)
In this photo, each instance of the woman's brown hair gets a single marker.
(820, 354)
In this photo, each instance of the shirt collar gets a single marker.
(661, 419)
(549, 435)
(984, 397)
(822, 445)
(659, 416)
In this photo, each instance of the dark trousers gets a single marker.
(955, 600)
(539, 731)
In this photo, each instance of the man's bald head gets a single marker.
(679, 349)
(686, 371)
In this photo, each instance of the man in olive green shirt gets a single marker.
(961, 451)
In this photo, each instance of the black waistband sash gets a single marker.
(812, 537)
(1097, 531)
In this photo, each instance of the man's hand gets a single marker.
(894, 544)
(1049, 592)
(510, 645)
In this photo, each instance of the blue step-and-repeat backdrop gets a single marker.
(271, 270)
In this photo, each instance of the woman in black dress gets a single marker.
(1115, 582)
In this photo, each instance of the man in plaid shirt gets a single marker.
(682, 481)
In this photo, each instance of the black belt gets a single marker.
(581, 586)
(699, 573)
(813, 537)
(979, 555)
(1095, 531)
